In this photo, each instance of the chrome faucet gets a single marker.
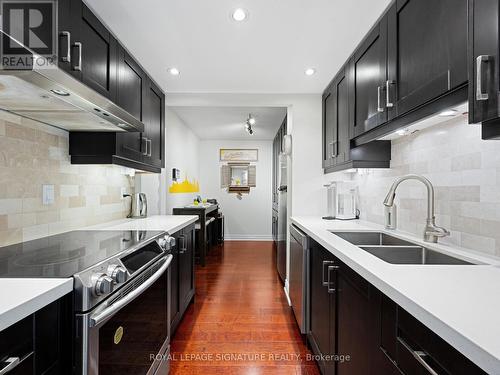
(432, 232)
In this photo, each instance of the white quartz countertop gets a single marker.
(20, 298)
(167, 223)
(461, 303)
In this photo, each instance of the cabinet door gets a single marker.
(68, 33)
(368, 70)
(427, 49)
(186, 267)
(132, 88)
(483, 60)
(342, 117)
(95, 52)
(329, 126)
(322, 307)
(154, 123)
(357, 324)
(174, 285)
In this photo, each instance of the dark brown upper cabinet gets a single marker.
(132, 86)
(154, 125)
(97, 59)
(427, 52)
(369, 74)
(336, 121)
(68, 33)
(483, 58)
(338, 153)
(94, 52)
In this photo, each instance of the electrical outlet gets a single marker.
(48, 194)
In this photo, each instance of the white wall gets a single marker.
(250, 217)
(304, 123)
(182, 152)
(305, 177)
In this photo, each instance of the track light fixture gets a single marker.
(248, 125)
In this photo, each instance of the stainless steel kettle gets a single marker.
(138, 206)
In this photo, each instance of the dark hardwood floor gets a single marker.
(240, 322)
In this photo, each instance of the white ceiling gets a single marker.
(229, 122)
(267, 53)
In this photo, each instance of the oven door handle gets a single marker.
(101, 316)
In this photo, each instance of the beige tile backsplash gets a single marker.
(465, 172)
(33, 154)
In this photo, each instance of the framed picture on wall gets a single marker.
(239, 154)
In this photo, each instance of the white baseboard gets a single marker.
(248, 237)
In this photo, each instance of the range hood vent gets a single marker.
(45, 93)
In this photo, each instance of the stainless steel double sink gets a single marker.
(397, 251)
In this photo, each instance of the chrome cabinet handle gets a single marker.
(12, 363)
(112, 309)
(67, 34)
(79, 66)
(388, 84)
(326, 262)
(419, 355)
(480, 95)
(331, 268)
(182, 248)
(149, 146)
(145, 144)
(379, 100)
(333, 149)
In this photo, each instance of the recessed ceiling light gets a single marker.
(448, 112)
(174, 71)
(310, 71)
(239, 14)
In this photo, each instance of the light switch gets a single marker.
(48, 194)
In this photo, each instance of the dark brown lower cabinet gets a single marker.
(366, 333)
(322, 331)
(42, 341)
(182, 275)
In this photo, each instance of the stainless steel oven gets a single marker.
(129, 333)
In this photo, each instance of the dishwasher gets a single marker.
(299, 277)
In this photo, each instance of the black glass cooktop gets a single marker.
(66, 254)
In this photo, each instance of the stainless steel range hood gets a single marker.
(45, 93)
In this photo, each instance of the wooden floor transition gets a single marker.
(240, 322)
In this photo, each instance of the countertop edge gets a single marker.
(464, 345)
(38, 301)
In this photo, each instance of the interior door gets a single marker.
(427, 49)
(95, 52)
(369, 74)
(483, 60)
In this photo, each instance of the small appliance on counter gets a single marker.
(342, 198)
(138, 205)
